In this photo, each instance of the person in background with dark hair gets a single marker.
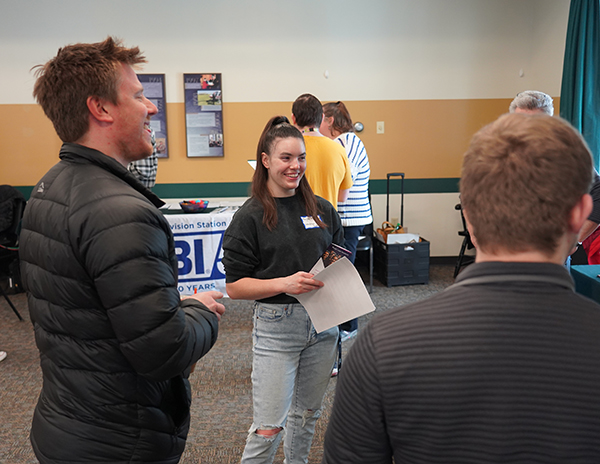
(328, 173)
(355, 211)
(116, 341)
(273, 240)
(504, 365)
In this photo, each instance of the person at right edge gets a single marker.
(355, 211)
(535, 102)
(503, 366)
(116, 341)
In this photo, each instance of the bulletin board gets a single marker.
(154, 90)
(203, 114)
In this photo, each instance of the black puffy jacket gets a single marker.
(115, 340)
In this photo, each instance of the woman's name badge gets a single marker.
(309, 222)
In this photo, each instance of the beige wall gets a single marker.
(424, 139)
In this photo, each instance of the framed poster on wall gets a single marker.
(203, 115)
(154, 90)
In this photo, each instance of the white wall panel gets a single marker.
(273, 50)
(430, 215)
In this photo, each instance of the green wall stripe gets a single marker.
(242, 189)
(446, 185)
(207, 190)
(25, 190)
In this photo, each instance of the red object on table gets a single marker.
(591, 245)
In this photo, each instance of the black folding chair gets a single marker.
(12, 205)
(365, 243)
(467, 244)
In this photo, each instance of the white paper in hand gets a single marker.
(343, 297)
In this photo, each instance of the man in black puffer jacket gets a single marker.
(98, 261)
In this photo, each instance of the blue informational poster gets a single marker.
(154, 90)
(203, 114)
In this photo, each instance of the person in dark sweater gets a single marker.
(273, 240)
(504, 365)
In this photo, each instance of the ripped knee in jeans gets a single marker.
(267, 432)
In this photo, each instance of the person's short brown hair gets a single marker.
(77, 72)
(521, 177)
(307, 111)
(342, 122)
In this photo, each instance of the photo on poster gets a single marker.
(203, 114)
(154, 90)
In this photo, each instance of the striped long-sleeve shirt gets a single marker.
(356, 210)
(506, 371)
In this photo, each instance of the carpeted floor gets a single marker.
(222, 405)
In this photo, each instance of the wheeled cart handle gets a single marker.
(387, 204)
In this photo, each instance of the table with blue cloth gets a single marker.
(587, 281)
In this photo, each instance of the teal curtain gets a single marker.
(580, 91)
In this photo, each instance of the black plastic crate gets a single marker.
(402, 263)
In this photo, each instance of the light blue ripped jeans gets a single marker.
(291, 369)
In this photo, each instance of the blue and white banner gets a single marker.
(198, 244)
